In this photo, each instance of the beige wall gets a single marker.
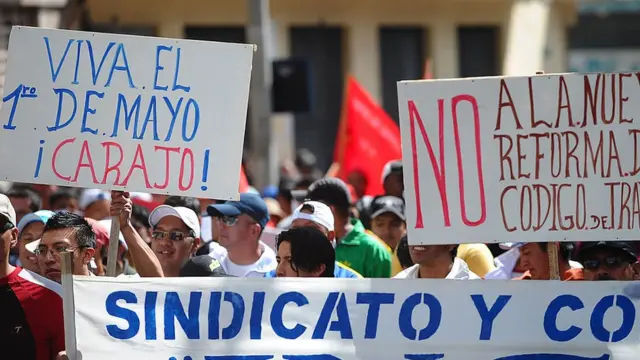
(361, 19)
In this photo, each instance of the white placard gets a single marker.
(345, 319)
(541, 158)
(124, 112)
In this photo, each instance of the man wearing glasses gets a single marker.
(30, 229)
(241, 224)
(175, 237)
(64, 231)
(609, 260)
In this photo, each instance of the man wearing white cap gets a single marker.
(318, 215)
(175, 237)
(95, 204)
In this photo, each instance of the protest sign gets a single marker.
(343, 319)
(539, 158)
(124, 112)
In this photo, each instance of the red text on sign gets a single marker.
(438, 166)
(114, 156)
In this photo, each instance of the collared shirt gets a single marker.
(459, 271)
(265, 264)
(363, 253)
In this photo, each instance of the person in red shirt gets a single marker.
(32, 325)
(534, 258)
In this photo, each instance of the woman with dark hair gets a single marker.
(304, 252)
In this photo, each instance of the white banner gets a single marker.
(344, 319)
(540, 158)
(124, 112)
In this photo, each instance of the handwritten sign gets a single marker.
(540, 158)
(115, 111)
(342, 319)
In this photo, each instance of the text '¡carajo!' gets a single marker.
(557, 141)
(163, 112)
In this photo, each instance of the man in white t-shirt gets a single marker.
(436, 262)
(241, 224)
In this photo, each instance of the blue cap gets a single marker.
(249, 204)
(39, 216)
(270, 191)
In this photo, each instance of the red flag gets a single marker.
(367, 138)
(428, 74)
(244, 183)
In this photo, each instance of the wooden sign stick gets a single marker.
(114, 244)
(68, 307)
(552, 247)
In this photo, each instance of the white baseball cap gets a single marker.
(320, 214)
(187, 216)
(7, 210)
(90, 196)
(511, 245)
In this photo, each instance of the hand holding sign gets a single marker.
(121, 207)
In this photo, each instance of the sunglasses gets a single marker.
(171, 235)
(611, 262)
(229, 220)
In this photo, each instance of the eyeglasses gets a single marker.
(611, 262)
(172, 235)
(42, 251)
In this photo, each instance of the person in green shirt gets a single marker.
(355, 248)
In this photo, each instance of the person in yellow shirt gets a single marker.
(478, 257)
(388, 223)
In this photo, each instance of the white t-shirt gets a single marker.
(266, 263)
(205, 229)
(459, 271)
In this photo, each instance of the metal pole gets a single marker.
(259, 31)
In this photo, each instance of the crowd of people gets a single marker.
(325, 227)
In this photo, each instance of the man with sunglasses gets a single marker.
(64, 231)
(609, 260)
(240, 225)
(175, 237)
(31, 324)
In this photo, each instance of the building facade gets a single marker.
(378, 41)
